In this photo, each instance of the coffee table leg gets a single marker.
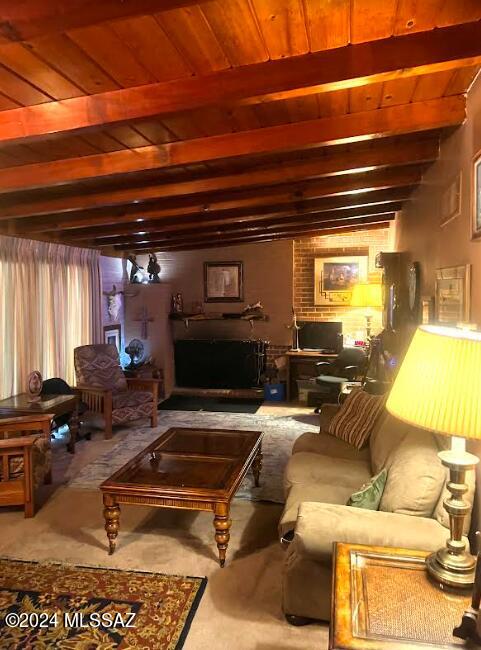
(222, 525)
(73, 428)
(257, 466)
(112, 520)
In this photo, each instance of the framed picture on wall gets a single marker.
(113, 336)
(476, 197)
(223, 282)
(453, 294)
(450, 207)
(334, 278)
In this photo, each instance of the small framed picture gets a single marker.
(223, 282)
(427, 310)
(453, 294)
(113, 336)
(476, 200)
(451, 201)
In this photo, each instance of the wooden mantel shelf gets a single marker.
(214, 316)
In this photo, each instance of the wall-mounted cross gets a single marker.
(144, 319)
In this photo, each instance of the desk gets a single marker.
(55, 404)
(383, 599)
(302, 365)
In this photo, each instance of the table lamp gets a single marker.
(369, 296)
(438, 388)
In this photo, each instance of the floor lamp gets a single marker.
(438, 388)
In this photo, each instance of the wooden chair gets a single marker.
(25, 459)
(105, 389)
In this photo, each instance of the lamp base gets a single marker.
(452, 570)
(453, 565)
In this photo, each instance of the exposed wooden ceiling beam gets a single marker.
(210, 243)
(25, 19)
(87, 224)
(437, 50)
(314, 188)
(311, 225)
(227, 226)
(82, 224)
(107, 165)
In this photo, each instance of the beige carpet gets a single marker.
(241, 606)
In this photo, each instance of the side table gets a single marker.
(147, 371)
(383, 599)
(54, 404)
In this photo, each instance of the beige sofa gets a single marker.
(321, 475)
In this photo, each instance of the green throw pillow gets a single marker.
(369, 496)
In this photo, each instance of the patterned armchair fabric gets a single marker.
(98, 366)
(105, 389)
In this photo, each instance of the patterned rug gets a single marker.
(280, 433)
(45, 606)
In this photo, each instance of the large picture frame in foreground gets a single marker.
(223, 282)
(335, 277)
(453, 294)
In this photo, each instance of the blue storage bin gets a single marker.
(274, 392)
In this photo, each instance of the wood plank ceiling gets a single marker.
(174, 125)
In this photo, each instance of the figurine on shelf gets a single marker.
(177, 303)
(136, 270)
(34, 386)
(153, 269)
(295, 332)
(256, 310)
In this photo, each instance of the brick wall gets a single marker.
(368, 242)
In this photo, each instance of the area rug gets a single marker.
(280, 433)
(45, 606)
(212, 404)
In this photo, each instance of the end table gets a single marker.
(54, 404)
(383, 599)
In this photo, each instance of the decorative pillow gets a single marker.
(356, 418)
(369, 496)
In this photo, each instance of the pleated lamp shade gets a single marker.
(366, 295)
(438, 386)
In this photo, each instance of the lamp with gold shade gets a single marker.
(367, 295)
(438, 388)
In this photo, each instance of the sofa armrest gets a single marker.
(328, 411)
(319, 525)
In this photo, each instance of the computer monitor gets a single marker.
(322, 335)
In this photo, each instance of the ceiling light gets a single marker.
(140, 220)
(141, 232)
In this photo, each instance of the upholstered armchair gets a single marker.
(106, 390)
(25, 459)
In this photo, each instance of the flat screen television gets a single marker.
(322, 335)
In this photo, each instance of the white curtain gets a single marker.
(49, 304)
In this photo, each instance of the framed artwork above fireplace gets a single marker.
(223, 282)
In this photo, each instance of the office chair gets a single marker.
(350, 365)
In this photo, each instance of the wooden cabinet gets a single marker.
(303, 365)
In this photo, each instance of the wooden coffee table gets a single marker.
(189, 469)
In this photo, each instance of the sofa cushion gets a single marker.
(356, 418)
(318, 492)
(415, 476)
(130, 399)
(386, 436)
(305, 468)
(370, 495)
(323, 443)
